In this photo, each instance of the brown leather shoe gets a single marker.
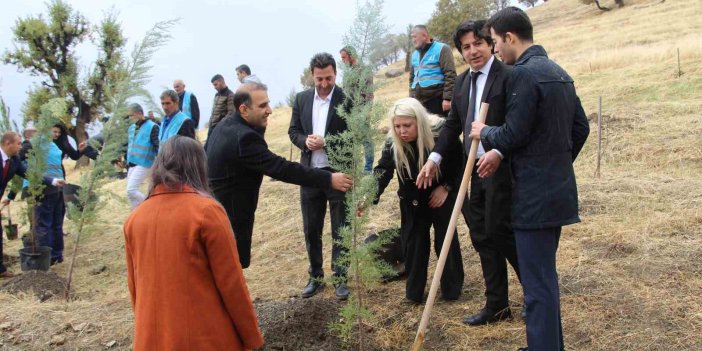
(7, 274)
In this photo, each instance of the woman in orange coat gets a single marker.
(187, 286)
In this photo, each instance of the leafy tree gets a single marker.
(290, 99)
(366, 33)
(130, 85)
(306, 79)
(405, 40)
(46, 47)
(448, 14)
(346, 154)
(6, 123)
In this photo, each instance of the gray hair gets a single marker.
(181, 161)
(170, 94)
(135, 108)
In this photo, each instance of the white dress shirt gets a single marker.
(320, 112)
(479, 88)
(4, 157)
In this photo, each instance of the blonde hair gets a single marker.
(402, 151)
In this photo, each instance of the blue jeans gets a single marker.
(536, 253)
(50, 214)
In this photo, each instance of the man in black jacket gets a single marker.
(545, 129)
(488, 209)
(314, 119)
(238, 157)
(10, 164)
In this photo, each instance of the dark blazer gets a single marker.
(493, 94)
(237, 159)
(545, 129)
(301, 121)
(16, 167)
(449, 175)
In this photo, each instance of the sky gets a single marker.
(276, 38)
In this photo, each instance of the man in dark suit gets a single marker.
(488, 209)
(314, 118)
(238, 157)
(545, 128)
(10, 145)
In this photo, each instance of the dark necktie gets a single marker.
(473, 98)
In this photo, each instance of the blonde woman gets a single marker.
(407, 151)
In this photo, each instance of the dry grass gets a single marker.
(631, 272)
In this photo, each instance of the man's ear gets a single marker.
(242, 108)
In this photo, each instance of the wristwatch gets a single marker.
(447, 187)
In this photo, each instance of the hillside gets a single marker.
(631, 272)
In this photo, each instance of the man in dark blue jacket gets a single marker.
(10, 145)
(545, 129)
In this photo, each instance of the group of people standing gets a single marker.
(523, 188)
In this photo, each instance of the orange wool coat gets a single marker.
(187, 286)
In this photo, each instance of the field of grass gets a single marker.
(631, 272)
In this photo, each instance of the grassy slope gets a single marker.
(630, 273)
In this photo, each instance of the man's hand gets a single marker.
(438, 197)
(341, 182)
(426, 175)
(446, 105)
(314, 142)
(475, 129)
(59, 182)
(488, 164)
(82, 146)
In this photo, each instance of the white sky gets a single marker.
(276, 38)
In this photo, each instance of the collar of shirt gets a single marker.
(168, 117)
(486, 69)
(326, 99)
(4, 157)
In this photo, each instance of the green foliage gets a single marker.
(51, 112)
(290, 99)
(345, 153)
(6, 123)
(366, 33)
(129, 86)
(306, 79)
(448, 14)
(47, 48)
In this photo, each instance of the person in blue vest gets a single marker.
(432, 72)
(174, 122)
(51, 209)
(141, 152)
(187, 102)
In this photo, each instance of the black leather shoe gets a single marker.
(487, 317)
(523, 349)
(342, 291)
(314, 285)
(523, 313)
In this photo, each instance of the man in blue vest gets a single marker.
(432, 72)
(187, 102)
(141, 152)
(174, 122)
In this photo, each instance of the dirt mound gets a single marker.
(44, 285)
(299, 324)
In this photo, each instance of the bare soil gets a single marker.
(44, 285)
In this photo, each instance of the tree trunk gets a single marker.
(408, 57)
(80, 134)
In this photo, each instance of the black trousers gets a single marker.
(314, 208)
(417, 220)
(435, 106)
(488, 218)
